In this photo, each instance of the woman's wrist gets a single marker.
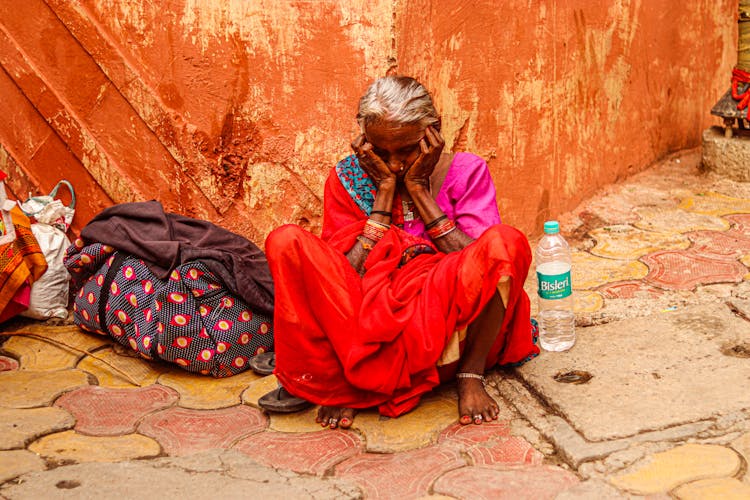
(367, 243)
(416, 188)
(388, 185)
(383, 202)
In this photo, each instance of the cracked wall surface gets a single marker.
(234, 111)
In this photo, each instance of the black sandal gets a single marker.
(280, 401)
(263, 363)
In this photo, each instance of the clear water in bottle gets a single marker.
(553, 267)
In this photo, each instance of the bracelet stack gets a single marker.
(374, 230)
(435, 222)
(440, 227)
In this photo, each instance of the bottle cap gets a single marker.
(551, 227)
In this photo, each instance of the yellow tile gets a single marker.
(742, 446)
(590, 271)
(14, 463)
(416, 429)
(679, 221)
(585, 301)
(20, 426)
(626, 242)
(36, 355)
(205, 392)
(710, 489)
(59, 347)
(117, 371)
(258, 388)
(715, 204)
(662, 472)
(62, 331)
(301, 421)
(70, 445)
(29, 389)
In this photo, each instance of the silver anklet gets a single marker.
(471, 375)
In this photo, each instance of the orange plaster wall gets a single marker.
(564, 96)
(255, 98)
(235, 110)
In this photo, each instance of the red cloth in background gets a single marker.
(342, 340)
(18, 303)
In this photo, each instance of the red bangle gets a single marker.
(373, 234)
(441, 229)
(444, 233)
(435, 222)
(374, 230)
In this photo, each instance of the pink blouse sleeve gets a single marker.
(468, 195)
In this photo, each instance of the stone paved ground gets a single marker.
(660, 408)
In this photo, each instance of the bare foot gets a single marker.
(474, 404)
(335, 416)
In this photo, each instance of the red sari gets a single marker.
(357, 342)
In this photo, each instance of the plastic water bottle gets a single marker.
(556, 317)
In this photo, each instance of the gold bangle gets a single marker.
(380, 224)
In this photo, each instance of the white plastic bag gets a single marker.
(7, 231)
(48, 210)
(49, 294)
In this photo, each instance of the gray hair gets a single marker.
(399, 99)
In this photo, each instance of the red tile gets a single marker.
(511, 450)
(470, 435)
(407, 474)
(182, 431)
(628, 290)
(101, 411)
(490, 443)
(684, 270)
(309, 453)
(501, 483)
(720, 244)
(740, 224)
(7, 364)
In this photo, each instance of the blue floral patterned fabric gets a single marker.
(356, 182)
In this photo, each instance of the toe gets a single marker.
(464, 420)
(324, 415)
(347, 417)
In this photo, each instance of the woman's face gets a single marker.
(396, 144)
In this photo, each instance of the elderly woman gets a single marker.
(414, 281)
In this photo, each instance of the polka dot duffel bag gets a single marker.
(191, 318)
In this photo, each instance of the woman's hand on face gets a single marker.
(431, 147)
(371, 163)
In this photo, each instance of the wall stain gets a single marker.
(228, 155)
